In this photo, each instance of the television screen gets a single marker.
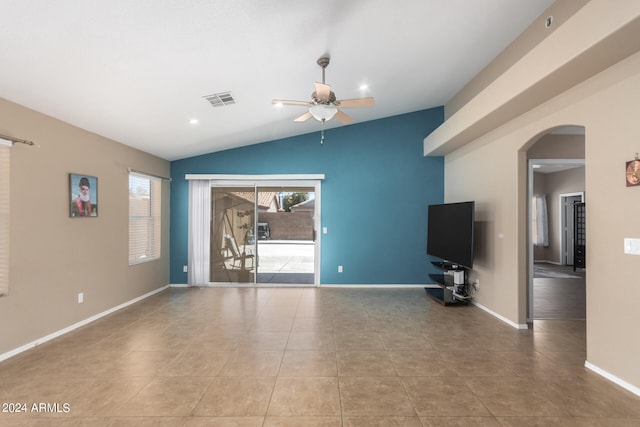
(450, 232)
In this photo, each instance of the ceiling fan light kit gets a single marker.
(322, 112)
(324, 105)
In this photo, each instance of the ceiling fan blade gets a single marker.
(303, 118)
(290, 102)
(323, 91)
(357, 102)
(344, 118)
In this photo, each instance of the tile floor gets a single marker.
(310, 357)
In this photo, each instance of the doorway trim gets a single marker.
(530, 268)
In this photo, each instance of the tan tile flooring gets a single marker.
(311, 357)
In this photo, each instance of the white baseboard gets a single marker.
(84, 322)
(328, 285)
(243, 285)
(616, 380)
(498, 316)
(382, 286)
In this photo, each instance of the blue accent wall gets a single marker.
(375, 194)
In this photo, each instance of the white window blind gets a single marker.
(144, 218)
(540, 221)
(4, 219)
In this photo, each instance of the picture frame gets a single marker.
(632, 171)
(83, 196)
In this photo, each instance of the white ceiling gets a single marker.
(136, 71)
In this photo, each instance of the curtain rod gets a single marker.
(149, 174)
(16, 140)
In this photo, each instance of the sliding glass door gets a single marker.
(264, 234)
(286, 235)
(232, 253)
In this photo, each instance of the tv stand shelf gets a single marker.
(448, 292)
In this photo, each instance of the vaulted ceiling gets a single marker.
(138, 72)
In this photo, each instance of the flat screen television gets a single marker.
(450, 232)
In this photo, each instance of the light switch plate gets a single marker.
(631, 246)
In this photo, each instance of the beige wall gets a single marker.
(53, 256)
(557, 146)
(588, 42)
(492, 170)
(585, 73)
(561, 11)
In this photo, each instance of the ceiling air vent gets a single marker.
(220, 99)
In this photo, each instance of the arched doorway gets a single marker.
(556, 280)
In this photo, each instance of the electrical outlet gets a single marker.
(80, 297)
(339, 269)
(185, 269)
(476, 284)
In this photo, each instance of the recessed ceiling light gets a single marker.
(364, 86)
(278, 104)
(193, 121)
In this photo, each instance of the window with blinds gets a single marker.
(4, 220)
(144, 218)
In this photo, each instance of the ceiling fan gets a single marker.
(323, 105)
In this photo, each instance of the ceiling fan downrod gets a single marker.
(323, 62)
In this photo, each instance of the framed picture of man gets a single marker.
(83, 191)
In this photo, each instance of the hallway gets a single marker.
(559, 292)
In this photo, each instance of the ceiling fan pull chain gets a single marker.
(322, 133)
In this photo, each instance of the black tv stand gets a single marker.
(447, 292)
(447, 266)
